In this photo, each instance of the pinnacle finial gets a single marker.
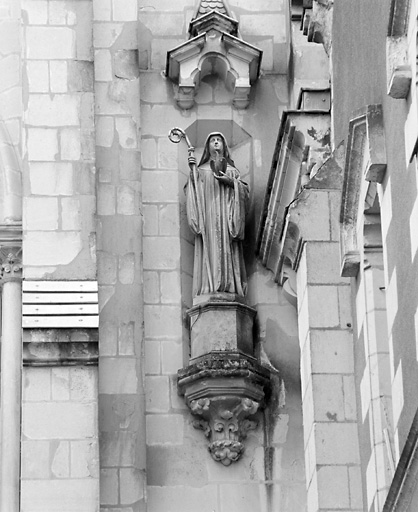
(206, 6)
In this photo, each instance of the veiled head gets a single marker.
(218, 139)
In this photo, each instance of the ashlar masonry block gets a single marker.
(42, 144)
(59, 110)
(131, 485)
(79, 495)
(102, 10)
(160, 186)
(124, 10)
(337, 495)
(165, 429)
(323, 306)
(38, 77)
(50, 43)
(59, 14)
(329, 436)
(50, 247)
(71, 420)
(162, 322)
(40, 214)
(118, 376)
(157, 394)
(179, 498)
(35, 460)
(36, 11)
(161, 253)
(51, 179)
(263, 25)
(70, 144)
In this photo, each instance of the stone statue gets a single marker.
(217, 202)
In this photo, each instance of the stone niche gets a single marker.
(213, 49)
(224, 385)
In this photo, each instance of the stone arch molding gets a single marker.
(10, 180)
(213, 48)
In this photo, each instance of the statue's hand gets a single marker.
(226, 180)
(192, 161)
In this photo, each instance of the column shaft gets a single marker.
(11, 374)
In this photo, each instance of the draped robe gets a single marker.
(223, 218)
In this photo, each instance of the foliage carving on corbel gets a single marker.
(225, 422)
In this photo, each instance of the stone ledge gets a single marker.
(60, 335)
(60, 354)
(60, 347)
(223, 365)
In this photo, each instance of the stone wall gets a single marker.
(180, 473)
(58, 153)
(103, 198)
(60, 449)
(119, 255)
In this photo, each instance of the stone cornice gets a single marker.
(60, 354)
(365, 160)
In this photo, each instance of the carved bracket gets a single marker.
(225, 423)
(225, 389)
(213, 49)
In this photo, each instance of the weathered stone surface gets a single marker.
(221, 326)
(165, 429)
(125, 64)
(50, 43)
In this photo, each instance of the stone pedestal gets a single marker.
(224, 385)
(221, 326)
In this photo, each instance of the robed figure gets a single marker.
(217, 202)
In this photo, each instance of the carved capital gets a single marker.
(11, 252)
(11, 263)
(225, 422)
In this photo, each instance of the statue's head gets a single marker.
(216, 142)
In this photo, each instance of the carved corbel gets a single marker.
(225, 423)
(225, 390)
